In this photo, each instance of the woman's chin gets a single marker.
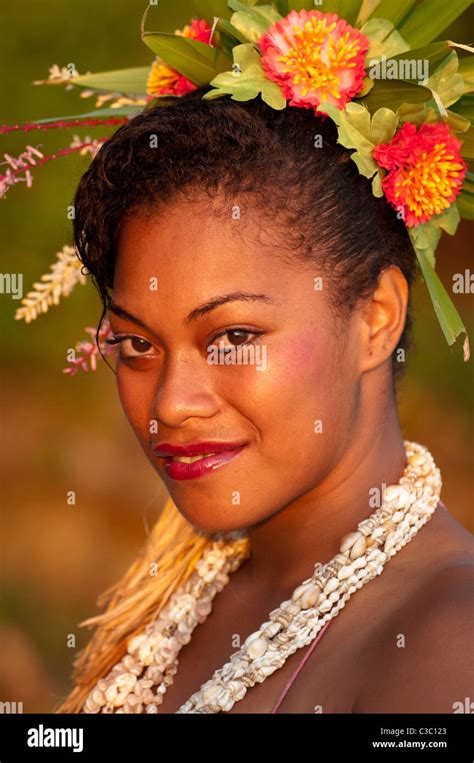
(212, 520)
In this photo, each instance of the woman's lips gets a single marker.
(202, 463)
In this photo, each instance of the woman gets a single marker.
(258, 294)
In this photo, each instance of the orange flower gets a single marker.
(163, 79)
(425, 171)
(315, 58)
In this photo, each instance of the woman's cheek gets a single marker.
(136, 397)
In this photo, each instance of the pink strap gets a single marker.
(295, 674)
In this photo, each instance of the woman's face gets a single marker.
(233, 351)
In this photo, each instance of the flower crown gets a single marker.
(402, 104)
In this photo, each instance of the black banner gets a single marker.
(25, 737)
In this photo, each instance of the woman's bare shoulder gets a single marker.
(426, 657)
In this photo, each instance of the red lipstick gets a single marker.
(207, 457)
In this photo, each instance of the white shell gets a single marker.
(377, 533)
(390, 541)
(299, 592)
(397, 516)
(325, 606)
(111, 693)
(256, 645)
(203, 608)
(358, 548)
(211, 694)
(331, 585)
(310, 597)
(137, 642)
(126, 681)
(349, 540)
(98, 697)
(397, 496)
(223, 699)
(416, 460)
(345, 572)
(237, 690)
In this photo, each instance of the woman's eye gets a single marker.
(236, 338)
(132, 346)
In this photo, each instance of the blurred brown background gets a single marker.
(61, 433)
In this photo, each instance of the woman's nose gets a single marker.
(185, 390)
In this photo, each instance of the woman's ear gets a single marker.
(384, 318)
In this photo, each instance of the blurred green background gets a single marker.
(61, 433)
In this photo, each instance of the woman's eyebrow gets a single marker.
(236, 296)
(198, 312)
(122, 313)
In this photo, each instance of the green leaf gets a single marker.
(465, 107)
(282, 7)
(357, 130)
(119, 112)
(465, 203)
(457, 122)
(365, 164)
(366, 10)
(467, 148)
(230, 36)
(448, 317)
(418, 66)
(446, 81)
(449, 220)
(392, 93)
(353, 125)
(469, 182)
(384, 39)
(250, 26)
(377, 189)
(392, 10)
(247, 80)
(429, 18)
(426, 237)
(263, 15)
(346, 9)
(383, 126)
(127, 81)
(417, 113)
(433, 53)
(207, 9)
(366, 87)
(466, 70)
(298, 5)
(195, 60)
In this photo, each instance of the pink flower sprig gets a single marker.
(63, 123)
(22, 164)
(88, 352)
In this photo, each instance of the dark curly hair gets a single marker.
(325, 210)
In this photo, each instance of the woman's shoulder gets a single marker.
(429, 665)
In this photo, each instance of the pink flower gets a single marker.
(315, 58)
(425, 170)
(21, 164)
(89, 352)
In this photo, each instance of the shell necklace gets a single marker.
(139, 681)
